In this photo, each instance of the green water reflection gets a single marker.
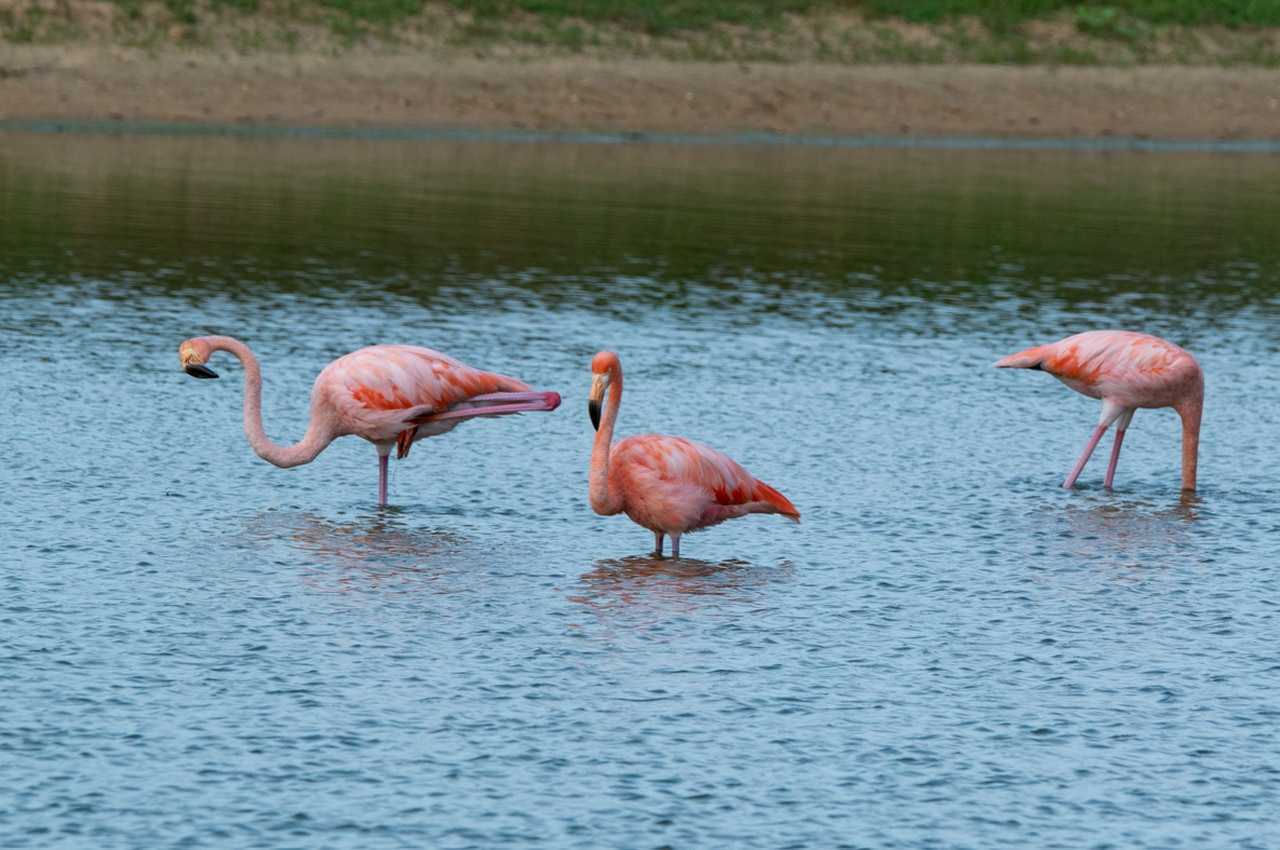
(414, 215)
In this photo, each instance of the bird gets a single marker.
(669, 485)
(391, 395)
(1126, 370)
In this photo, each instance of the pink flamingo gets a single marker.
(391, 395)
(668, 485)
(1126, 370)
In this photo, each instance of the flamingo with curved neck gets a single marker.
(669, 485)
(1126, 370)
(390, 395)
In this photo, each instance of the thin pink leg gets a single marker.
(382, 479)
(675, 546)
(1115, 456)
(1084, 458)
(657, 543)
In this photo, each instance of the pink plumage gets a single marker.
(1126, 370)
(669, 485)
(390, 395)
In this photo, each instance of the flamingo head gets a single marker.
(194, 353)
(599, 386)
(602, 370)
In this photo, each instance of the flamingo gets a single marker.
(391, 395)
(669, 485)
(1126, 370)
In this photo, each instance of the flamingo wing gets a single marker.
(676, 485)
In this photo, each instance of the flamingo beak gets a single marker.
(199, 370)
(598, 387)
(193, 364)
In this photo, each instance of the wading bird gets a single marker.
(666, 484)
(391, 395)
(1126, 370)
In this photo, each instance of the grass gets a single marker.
(1006, 13)
(657, 17)
(1243, 32)
(1120, 18)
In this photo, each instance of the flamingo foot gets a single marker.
(404, 441)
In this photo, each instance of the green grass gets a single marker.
(660, 17)
(650, 16)
(1109, 31)
(1233, 13)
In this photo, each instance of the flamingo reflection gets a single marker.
(365, 553)
(654, 589)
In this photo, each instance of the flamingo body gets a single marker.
(668, 485)
(1126, 371)
(381, 391)
(390, 395)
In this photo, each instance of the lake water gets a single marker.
(200, 650)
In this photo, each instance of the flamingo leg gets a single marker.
(1084, 457)
(1122, 425)
(1111, 412)
(1115, 456)
(382, 479)
(657, 543)
(675, 546)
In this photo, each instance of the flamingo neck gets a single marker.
(1190, 413)
(605, 499)
(305, 451)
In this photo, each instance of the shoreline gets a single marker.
(604, 137)
(639, 98)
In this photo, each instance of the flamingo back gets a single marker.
(673, 485)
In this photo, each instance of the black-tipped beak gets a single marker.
(593, 407)
(199, 370)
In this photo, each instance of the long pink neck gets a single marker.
(606, 500)
(1190, 412)
(313, 442)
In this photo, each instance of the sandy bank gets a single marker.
(639, 95)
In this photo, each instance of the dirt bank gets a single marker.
(353, 89)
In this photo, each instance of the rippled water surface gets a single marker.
(198, 649)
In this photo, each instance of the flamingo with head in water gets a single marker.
(1126, 370)
(669, 485)
(391, 395)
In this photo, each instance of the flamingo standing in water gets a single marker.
(668, 485)
(391, 395)
(1126, 370)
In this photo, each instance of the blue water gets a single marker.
(200, 650)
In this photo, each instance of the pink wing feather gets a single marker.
(1132, 369)
(675, 485)
(376, 391)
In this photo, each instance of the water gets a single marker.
(198, 649)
